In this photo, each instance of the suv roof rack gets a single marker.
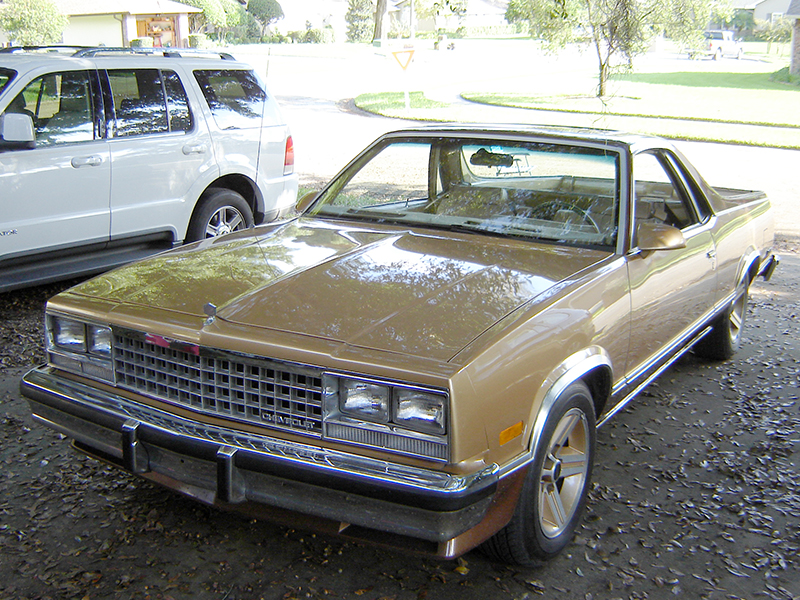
(168, 52)
(55, 48)
(90, 51)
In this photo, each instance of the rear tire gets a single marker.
(722, 342)
(218, 212)
(553, 497)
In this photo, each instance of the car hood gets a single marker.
(425, 293)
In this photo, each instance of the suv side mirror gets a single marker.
(659, 236)
(16, 132)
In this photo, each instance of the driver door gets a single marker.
(56, 197)
(671, 290)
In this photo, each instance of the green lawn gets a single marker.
(748, 101)
(714, 96)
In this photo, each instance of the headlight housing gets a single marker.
(80, 347)
(391, 416)
(419, 411)
(364, 400)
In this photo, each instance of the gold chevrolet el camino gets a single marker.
(421, 355)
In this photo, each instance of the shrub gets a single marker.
(198, 40)
(319, 36)
(143, 42)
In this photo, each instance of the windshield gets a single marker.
(6, 75)
(547, 192)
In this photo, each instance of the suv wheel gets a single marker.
(219, 211)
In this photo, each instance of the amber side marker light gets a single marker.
(510, 433)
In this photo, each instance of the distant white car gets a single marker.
(107, 156)
(718, 43)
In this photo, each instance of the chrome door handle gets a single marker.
(87, 161)
(194, 149)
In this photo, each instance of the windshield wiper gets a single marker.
(375, 214)
(504, 230)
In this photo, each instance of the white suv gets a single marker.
(106, 157)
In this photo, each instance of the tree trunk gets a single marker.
(602, 79)
(380, 11)
(603, 61)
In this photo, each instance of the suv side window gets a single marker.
(61, 107)
(6, 75)
(235, 97)
(148, 101)
(180, 117)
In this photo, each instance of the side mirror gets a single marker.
(659, 236)
(306, 201)
(16, 131)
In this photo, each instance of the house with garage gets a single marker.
(763, 10)
(116, 22)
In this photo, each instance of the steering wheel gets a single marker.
(563, 211)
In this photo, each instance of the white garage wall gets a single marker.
(93, 31)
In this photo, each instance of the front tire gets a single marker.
(722, 342)
(553, 497)
(218, 212)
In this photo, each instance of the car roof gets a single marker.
(585, 135)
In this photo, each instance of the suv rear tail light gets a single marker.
(288, 157)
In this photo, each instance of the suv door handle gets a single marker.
(194, 149)
(87, 161)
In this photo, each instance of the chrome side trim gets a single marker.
(586, 362)
(633, 393)
(688, 336)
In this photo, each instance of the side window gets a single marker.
(658, 195)
(235, 98)
(180, 116)
(6, 76)
(139, 102)
(61, 107)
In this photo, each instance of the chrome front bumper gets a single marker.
(226, 467)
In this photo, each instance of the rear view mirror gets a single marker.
(485, 158)
(16, 132)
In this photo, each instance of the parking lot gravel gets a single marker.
(696, 495)
(696, 490)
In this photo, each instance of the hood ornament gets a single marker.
(211, 312)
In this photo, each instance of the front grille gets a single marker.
(220, 384)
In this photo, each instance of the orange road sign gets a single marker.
(403, 58)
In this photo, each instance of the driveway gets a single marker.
(696, 491)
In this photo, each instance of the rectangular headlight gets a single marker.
(364, 400)
(68, 334)
(98, 341)
(390, 416)
(420, 411)
(79, 347)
